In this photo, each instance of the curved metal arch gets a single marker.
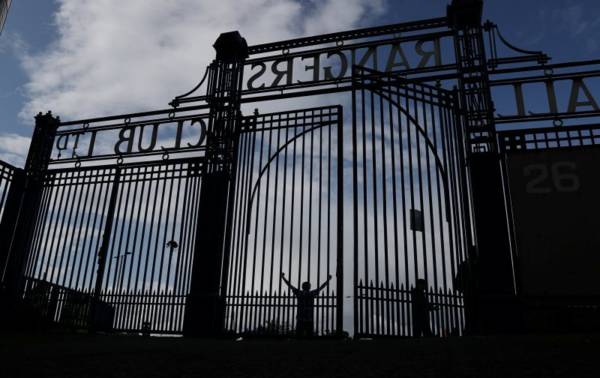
(393, 79)
(268, 163)
(513, 47)
(430, 145)
(175, 102)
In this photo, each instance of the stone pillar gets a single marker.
(24, 200)
(205, 306)
(494, 289)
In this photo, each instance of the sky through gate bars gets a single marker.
(288, 219)
(410, 216)
(190, 215)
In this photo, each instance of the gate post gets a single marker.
(205, 305)
(25, 197)
(494, 297)
(8, 223)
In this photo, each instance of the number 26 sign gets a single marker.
(561, 177)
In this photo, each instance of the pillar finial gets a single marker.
(464, 14)
(231, 47)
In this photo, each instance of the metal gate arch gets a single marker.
(411, 209)
(287, 218)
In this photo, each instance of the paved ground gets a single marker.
(113, 356)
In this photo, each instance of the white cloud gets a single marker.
(113, 56)
(13, 148)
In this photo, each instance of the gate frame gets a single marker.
(490, 206)
(462, 227)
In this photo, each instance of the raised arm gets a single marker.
(324, 285)
(285, 280)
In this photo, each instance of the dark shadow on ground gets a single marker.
(70, 355)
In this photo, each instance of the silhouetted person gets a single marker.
(305, 299)
(420, 310)
(465, 282)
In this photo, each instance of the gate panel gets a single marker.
(148, 259)
(8, 175)
(287, 219)
(410, 217)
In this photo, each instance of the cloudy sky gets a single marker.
(83, 58)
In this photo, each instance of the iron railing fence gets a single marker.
(126, 311)
(8, 175)
(390, 311)
(275, 314)
(549, 138)
(286, 218)
(148, 257)
(410, 198)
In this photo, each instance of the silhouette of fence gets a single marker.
(7, 173)
(7, 177)
(549, 138)
(275, 315)
(146, 276)
(125, 311)
(411, 205)
(387, 311)
(286, 217)
(118, 233)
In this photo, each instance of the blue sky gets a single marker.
(91, 58)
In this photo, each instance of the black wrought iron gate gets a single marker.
(411, 219)
(140, 271)
(287, 219)
(194, 215)
(113, 240)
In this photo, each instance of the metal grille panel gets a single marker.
(148, 260)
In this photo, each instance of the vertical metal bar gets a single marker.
(50, 236)
(82, 214)
(355, 205)
(396, 243)
(384, 190)
(283, 219)
(69, 234)
(420, 178)
(102, 253)
(427, 96)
